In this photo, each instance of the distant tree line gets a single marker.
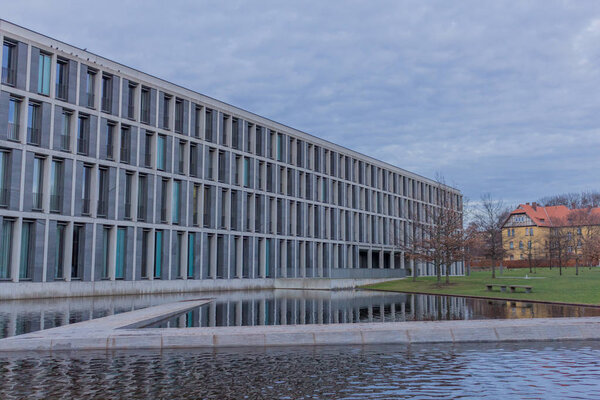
(572, 200)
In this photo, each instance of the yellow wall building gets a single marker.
(527, 231)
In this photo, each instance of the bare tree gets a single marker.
(436, 237)
(409, 242)
(490, 217)
(473, 245)
(582, 234)
(559, 242)
(534, 253)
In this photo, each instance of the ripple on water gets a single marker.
(531, 370)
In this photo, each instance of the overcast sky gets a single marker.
(500, 97)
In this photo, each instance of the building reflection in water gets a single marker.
(307, 307)
(277, 307)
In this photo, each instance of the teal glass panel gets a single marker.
(44, 75)
(189, 319)
(120, 265)
(5, 249)
(246, 172)
(279, 145)
(160, 153)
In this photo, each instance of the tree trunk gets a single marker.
(447, 273)
(414, 270)
(576, 267)
(438, 272)
(560, 267)
(493, 268)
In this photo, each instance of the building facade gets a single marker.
(108, 174)
(552, 234)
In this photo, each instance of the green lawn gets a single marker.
(568, 288)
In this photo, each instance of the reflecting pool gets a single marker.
(495, 371)
(300, 307)
(277, 307)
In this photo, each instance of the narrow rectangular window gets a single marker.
(145, 105)
(59, 254)
(86, 190)
(207, 206)
(110, 140)
(198, 122)
(33, 124)
(4, 178)
(83, 134)
(121, 253)
(62, 74)
(25, 266)
(158, 254)
(9, 63)
(102, 192)
(178, 115)
(14, 115)
(105, 252)
(90, 88)
(131, 89)
(6, 248)
(56, 185)
(195, 199)
(148, 150)
(128, 189)
(193, 160)
(163, 200)
(125, 144)
(78, 247)
(65, 134)
(235, 134)
(279, 147)
(166, 111)
(208, 126)
(107, 88)
(176, 200)
(246, 172)
(160, 152)
(181, 157)
(44, 74)
(38, 176)
(142, 194)
(145, 240)
(190, 258)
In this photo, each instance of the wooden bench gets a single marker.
(513, 288)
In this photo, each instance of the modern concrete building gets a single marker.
(114, 181)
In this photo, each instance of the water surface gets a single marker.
(493, 371)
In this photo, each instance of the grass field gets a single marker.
(568, 288)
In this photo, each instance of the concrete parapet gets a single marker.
(31, 290)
